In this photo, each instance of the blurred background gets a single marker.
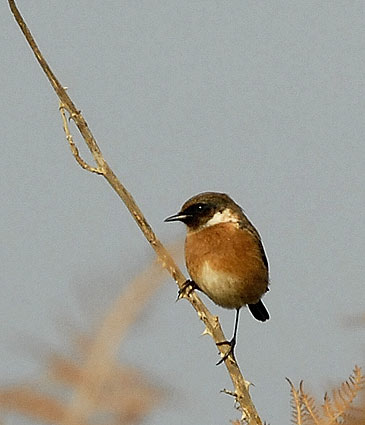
(261, 100)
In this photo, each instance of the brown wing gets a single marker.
(247, 225)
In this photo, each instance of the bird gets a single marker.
(224, 256)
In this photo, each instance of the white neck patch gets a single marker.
(225, 216)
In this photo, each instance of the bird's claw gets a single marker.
(230, 352)
(188, 286)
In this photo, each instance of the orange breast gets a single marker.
(226, 263)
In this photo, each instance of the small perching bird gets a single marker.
(224, 255)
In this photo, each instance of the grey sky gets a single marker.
(262, 100)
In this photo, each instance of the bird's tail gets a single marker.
(259, 311)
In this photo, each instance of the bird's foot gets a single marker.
(188, 286)
(230, 352)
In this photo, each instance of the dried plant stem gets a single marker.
(100, 364)
(211, 322)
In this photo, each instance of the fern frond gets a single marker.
(310, 411)
(342, 397)
(296, 405)
(327, 407)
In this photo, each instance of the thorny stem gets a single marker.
(211, 322)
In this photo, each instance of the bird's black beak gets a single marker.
(176, 217)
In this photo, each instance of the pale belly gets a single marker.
(227, 290)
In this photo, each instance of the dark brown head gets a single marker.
(207, 209)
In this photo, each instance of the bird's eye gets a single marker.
(196, 209)
(201, 208)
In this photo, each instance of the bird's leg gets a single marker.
(232, 342)
(188, 286)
